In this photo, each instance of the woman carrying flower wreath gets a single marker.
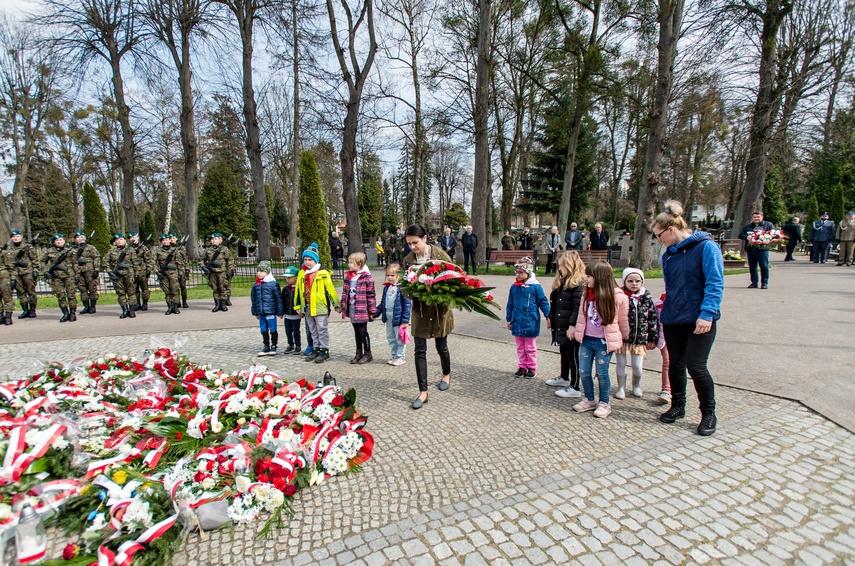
(428, 321)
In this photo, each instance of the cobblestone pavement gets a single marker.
(499, 470)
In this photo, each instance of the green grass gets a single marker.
(241, 286)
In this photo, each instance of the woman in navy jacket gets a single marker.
(693, 269)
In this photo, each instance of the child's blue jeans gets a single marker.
(595, 349)
(267, 323)
(394, 338)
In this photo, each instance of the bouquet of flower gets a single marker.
(733, 255)
(765, 238)
(126, 454)
(438, 282)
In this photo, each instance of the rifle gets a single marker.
(161, 273)
(59, 260)
(114, 275)
(24, 249)
(206, 269)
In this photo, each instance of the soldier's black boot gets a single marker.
(184, 300)
(72, 314)
(131, 313)
(223, 306)
(228, 301)
(175, 308)
(274, 341)
(216, 305)
(168, 309)
(65, 314)
(2, 317)
(144, 306)
(124, 312)
(32, 312)
(25, 310)
(85, 309)
(92, 306)
(136, 307)
(8, 319)
(266, 338)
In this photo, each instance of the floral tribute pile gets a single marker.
(438, 282)
(126, 455)
(765, 238)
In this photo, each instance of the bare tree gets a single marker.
(72, 144)
(481, 194)
(670, 17)
(109, 30)
(354, 75)
(28, 90)
(843, 34)
(246, 12)
(174, 22)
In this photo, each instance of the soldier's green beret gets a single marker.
(132, 234)
(165, 237)
(56, 236)
(216, 235)
(171, 234)
(15, 233)
(79, 233)
(116, 237)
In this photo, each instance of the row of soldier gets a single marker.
(128, 264)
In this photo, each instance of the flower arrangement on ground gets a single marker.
(124, 454)
(438, 282)
(732, 255)
(765, 238)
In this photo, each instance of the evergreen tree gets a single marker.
(222, 202)
(369, 196)
(838, 206)
(280, 223)
(773, 202)
(834, 164)
(455, 217)
(812, 210)
(147, 229)
(95, 218)
(391, 220)
(312, 211)
(49, 204)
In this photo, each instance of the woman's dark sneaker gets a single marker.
(672, 414)
(708, 424)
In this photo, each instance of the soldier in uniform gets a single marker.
(183, 262)
(217, 263)
(60, 268)
(25, 276)
(7, 279)
(146, 265)
(120, 262)
(168, 267)
(88, 260)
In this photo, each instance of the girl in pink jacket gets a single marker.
(601, 328)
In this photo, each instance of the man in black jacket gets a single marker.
(337, 249)
(526, 241)
(470, 244)
(448, 243)
(793, 230)
(757, 255)
(599, 238)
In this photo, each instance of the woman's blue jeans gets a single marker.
(595, 350)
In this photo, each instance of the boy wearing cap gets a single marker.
(314, 298)
(524, 300)
(26, 273)
(120, 262)
(88, 260)
(60, 269)
(266, 306)
(291, 316)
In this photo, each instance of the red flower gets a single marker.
(199, 477)
(302, 382)
(162, 353)
(262, 466)
(290, 490)
(338, 401)
(178, 436)
(102, 367)
(94, 373)
(264, 478)
(71, 551)
(280, 483)
(203, 426)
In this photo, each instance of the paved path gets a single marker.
(498, 470)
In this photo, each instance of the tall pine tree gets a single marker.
(95, 219)
(222, 202)
(370, 196)
(313, 212)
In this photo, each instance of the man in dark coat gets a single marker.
(470, 244)
(526, 242)
(337, 249)
(448, 243)
(793, 230)
(599, 238)
(574, 238)
(821, 235)
(757, 255)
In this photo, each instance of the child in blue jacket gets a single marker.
(394, 309)
(266, 306)
(524, 300)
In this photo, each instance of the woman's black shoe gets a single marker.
(672, 414)
(708, 424)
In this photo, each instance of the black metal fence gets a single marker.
(245, 269)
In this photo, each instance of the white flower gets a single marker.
(218, 382)
(268, 496)
(242, 483)
(208, 483)
(138, 515)
(304, 419)
(5, 511)
(60, 443)
(217, 427)
(323, 412)
(286, 435)
(243, 509)
(202, 400)
(193, 427)
(98, 523)
(328, 396)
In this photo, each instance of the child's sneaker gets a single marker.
(585, 405)
(520, 372)
(399, 362)
(313, 354)
(264, 352)
(664, 398)
(391, 361)
(557, 382)
(323, 356)
(272, 351)
(569, 393)
(289, 349)
(308, 351)
(603, 410)
(298, 351)
(530, 374)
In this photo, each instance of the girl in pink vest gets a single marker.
(601, 328)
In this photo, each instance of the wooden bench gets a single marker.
(589, 256)
(510, 256)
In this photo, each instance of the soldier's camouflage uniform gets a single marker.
(219, 268)
(88, 260)
(7, 300)
(62, 276)
(146, 267)
(125, 272)
(168, 267)
(26, 260)
(183, 262)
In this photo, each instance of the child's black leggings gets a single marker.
(363, 342)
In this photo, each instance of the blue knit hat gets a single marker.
(312, 252)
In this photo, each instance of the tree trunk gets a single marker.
(347, 158)
(761, 117)
(126, 151)
(295, 172)
(670, 23)
(481, 189)
(191, 151)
